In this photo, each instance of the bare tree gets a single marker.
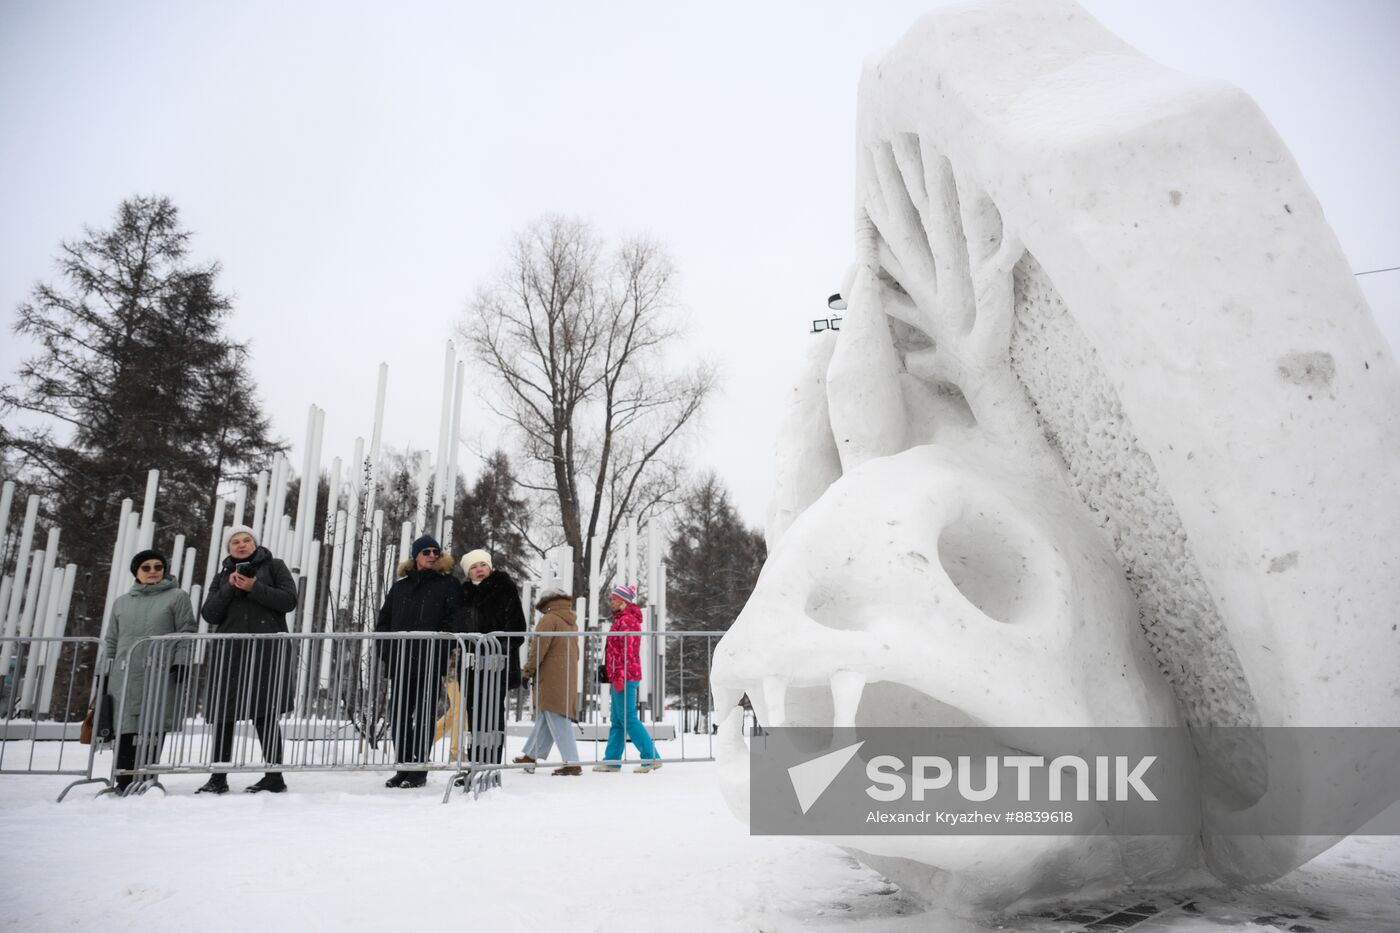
(576, 339)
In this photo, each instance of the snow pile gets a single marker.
(603, 852)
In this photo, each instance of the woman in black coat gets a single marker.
(491, 603)
(249, 679)
(425, 598)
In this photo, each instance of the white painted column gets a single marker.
(148, 511)
(14, 606)
(216, 544)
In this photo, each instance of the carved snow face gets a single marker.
(1110, 426)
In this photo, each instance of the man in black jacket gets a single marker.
(425, 598)
(491, 603)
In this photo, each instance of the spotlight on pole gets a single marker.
(835, 303)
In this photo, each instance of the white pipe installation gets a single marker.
(17, 588)
(358, 559)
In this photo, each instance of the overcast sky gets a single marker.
(358, 168)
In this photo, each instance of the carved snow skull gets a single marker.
(1106, 438)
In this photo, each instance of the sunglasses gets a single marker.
(151, 568)
(430, 551)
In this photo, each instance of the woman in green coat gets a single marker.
(155, 605)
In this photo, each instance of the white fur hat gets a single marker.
(243, 530)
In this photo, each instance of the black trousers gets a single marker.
(126, 755)
(269, 734)
(413, 714)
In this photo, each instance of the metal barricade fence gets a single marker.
(314, 702)
(678, 676)
(44, 698)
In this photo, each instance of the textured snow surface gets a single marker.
(602, 852)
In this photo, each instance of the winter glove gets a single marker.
(179, 673)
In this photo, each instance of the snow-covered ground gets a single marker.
(599, 852)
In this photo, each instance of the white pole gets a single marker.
(113, 572)
(240, 502)
(26, 541)
(34, 615)
(263, 529)
(275, 517)
(216, 543)
(293, 548)
(332, 501)
(36, 669)
(376, 554)
(195, 593)
(631, 577)
(260, 502)
(315, 481)
(40, 656)
(133, 544)
(177, 557)
(313, 568)
(309, 497)
(352, 521)
(405, 541)
(374, 438)
(63, 587)
(564, 568)
(6, 585)
(36, 622)
(26, 619)
(308, 613)
(36, 577)
(7, 496)
(337, 565)
(284, 535)
(454, 441)
(148, 511)
(187, 571)
(277, 509)
(390, 568)
(15, 603)
(595, 583)
(440, 493)
(420, 517)
(653, 559)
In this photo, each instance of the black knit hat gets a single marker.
(148, 554)
(425, 542)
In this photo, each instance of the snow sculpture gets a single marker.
(1107, 437)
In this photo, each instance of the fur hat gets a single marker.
(242, 530)
(479, 556)
(551, 593)
(148, 554)
(426, 541)
(627, 594)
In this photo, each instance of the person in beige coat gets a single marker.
(553, 668)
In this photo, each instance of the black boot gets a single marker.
(397, 780)
(271, 782)
(414, 779)
(217, 784)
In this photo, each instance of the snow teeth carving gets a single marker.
(846, 690)
(1113, 429)
(775, 701)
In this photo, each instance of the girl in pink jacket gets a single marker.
(623, 665)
